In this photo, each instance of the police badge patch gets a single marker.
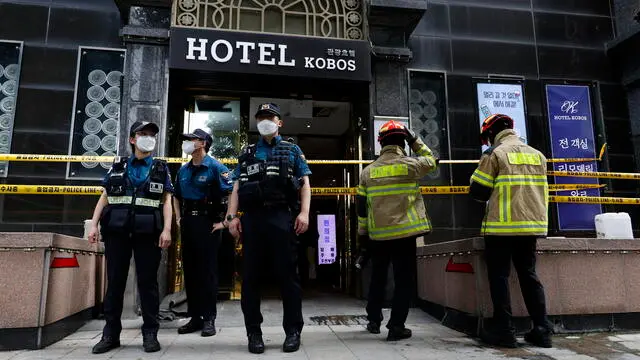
(253, 169)
(156, 188)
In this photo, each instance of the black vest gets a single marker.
(270, 183)
(134, 209)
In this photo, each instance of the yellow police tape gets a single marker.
(427, 190)
(434, 190)
(109, 159)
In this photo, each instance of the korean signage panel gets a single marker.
(571, 130)
(327, 240)
(507, 99)
(269, 54)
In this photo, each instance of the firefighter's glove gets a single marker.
(411, 135)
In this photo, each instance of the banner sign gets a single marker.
(571, 130)
(504, 99)
(269, 54)
(327, 240)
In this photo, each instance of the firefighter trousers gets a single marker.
(500, 251)
(401, 253)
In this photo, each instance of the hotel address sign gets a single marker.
(269, 54)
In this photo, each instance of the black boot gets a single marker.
(398, 333)
(506, 339)
(209, 328)
(150, 342)
(291, 342)
(193, 325)
(107, 343)
(373, 328)
(256, 345)
(539, 336)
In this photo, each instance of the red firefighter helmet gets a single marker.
(490, 123)
(391, 127)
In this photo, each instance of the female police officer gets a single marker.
(267, 190)
(135, 216)
(201, 186)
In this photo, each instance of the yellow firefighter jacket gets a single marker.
(514, 174)
(390, 205)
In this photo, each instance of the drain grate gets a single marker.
(339, 320)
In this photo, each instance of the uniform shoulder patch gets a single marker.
(226, 174)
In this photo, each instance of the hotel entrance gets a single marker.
(325, 125)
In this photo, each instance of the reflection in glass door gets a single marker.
(220, 117)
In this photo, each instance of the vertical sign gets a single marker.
(504, 99)
(327, 239)
(571, 129)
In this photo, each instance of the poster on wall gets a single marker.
(507, 99)
(378, 121)
(571, 130)
(327, 239)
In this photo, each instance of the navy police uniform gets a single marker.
(202, 191)
(268, 176)
(132, 222)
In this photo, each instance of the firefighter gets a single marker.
(391, 215)
(270, 178)
(202, 185)
(135, 215)
(512, 177)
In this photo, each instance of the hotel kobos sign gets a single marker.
(259, 53)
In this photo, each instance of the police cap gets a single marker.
(142, 125)
(268, 109)
(200, 135)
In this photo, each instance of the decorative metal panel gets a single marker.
(428, 118)
(342, 19)
(10, 62)
(96, 112)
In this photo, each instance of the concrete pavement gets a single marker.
(334, 330)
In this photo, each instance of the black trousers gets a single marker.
(200, 265)
(268, 235)
(499, 252)
(402, 254)
(146, 253)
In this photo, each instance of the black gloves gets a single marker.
(411, 136)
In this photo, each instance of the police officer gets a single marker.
(201, 186)
(266, 190)
(391, 214)
(512, 177)
(135, 216)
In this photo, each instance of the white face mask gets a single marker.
(267, 127)
(146, 143)
(188, 147)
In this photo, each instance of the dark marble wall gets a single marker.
(538, 40)
(52, 32)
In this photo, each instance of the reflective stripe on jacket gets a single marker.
(390, 186)
(516, 175)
